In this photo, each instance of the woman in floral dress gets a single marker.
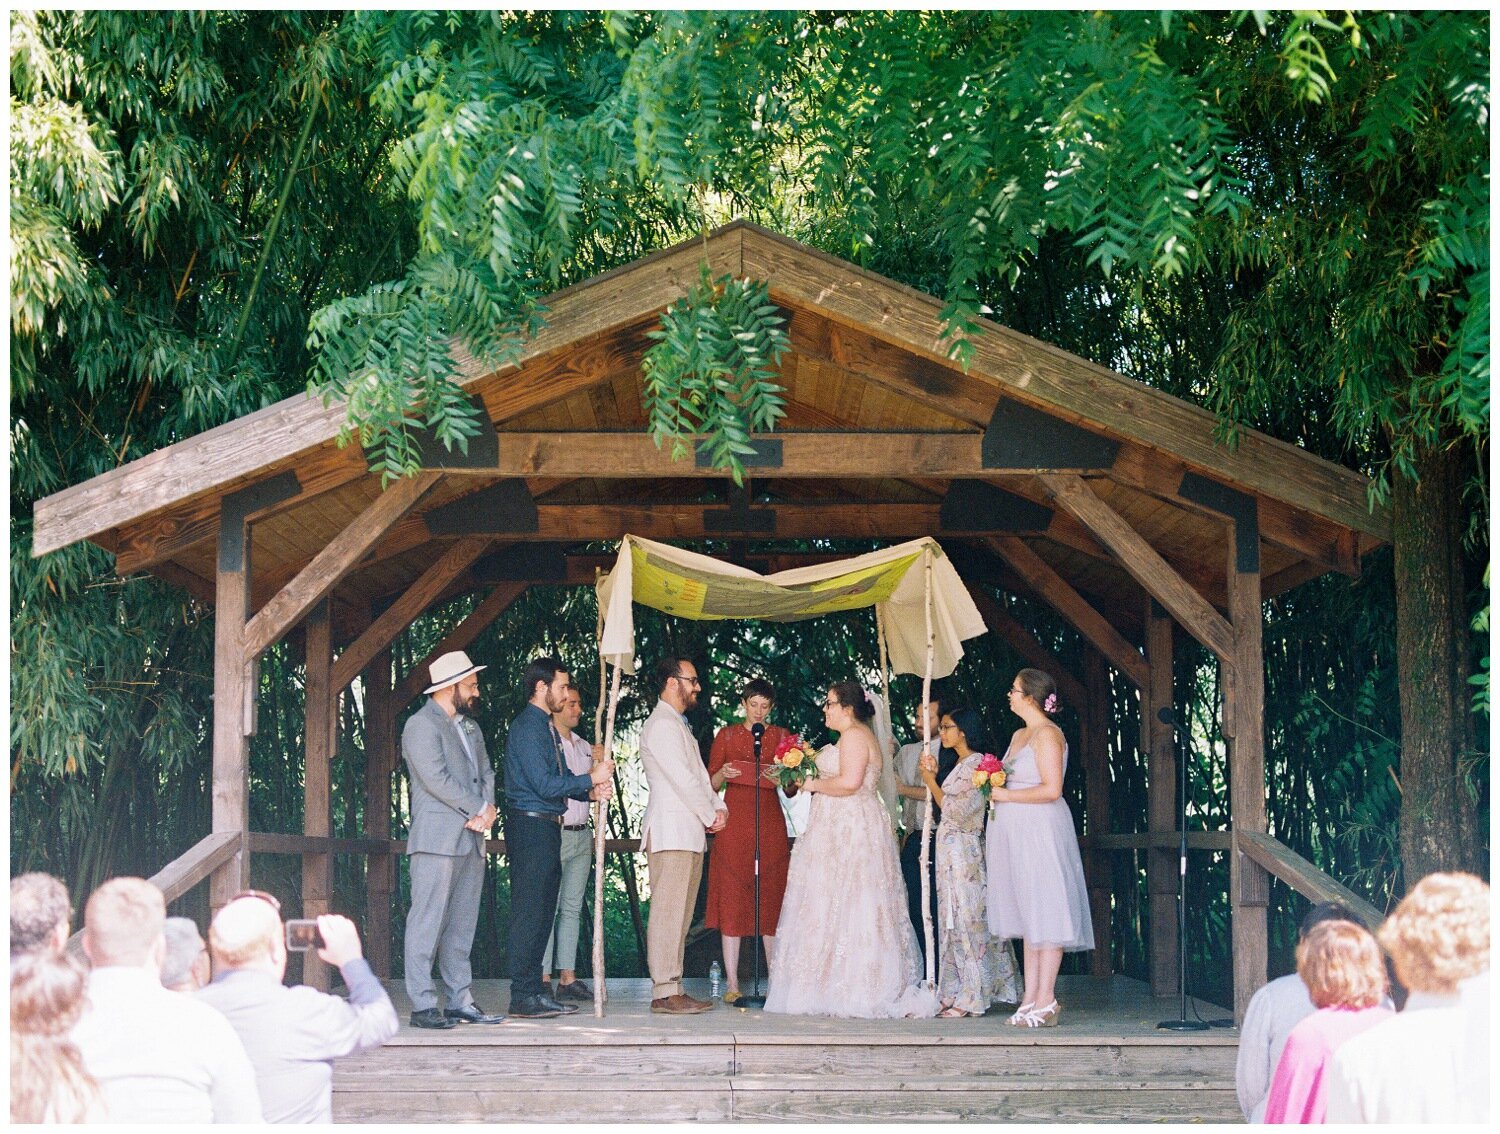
(975, 969)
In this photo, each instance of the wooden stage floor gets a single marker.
(1105, 1062)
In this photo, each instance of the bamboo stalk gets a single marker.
(926, 855)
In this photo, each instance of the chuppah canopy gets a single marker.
(697, 586)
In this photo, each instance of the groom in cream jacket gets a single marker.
(682, 810)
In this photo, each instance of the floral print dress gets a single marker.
(975, 969)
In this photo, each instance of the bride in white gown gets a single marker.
(845, 944)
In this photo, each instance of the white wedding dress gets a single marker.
(844, 942)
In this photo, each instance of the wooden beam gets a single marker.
(840, 455)
(323, 572)
(1302, 876)
(1005, 362)
(464, 633)
(319, 732)
(194, 865)
(285, 434)
(453, 562)
(1244, 714)
(233, 693)
(1058, 593)
(1143, 562)
(1018, 638)
(1216, 841)
(1161, 801)
(380, 763)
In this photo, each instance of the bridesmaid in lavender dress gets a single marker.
(1036, 887)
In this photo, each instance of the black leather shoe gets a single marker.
(431, 1018)
(576, 991)
(473, 1014)
(536, 1007)
(565, 1009)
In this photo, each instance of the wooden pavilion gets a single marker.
(1110, 501)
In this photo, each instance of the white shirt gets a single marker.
(1274, 1010)
(579, 756)
(907, 757)
(162, 1057)
(683, 803)
(1409, 1069)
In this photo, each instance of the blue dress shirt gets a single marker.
(532, 779)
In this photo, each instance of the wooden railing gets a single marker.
(1281, 861)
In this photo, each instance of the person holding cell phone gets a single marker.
(293, 1035)
(731, 864)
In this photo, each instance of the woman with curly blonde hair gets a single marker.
(1418, 1066)
(48, 1082)
(1341, 965)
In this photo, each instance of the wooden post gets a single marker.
(1244, 709)
(319, 732)
(233, 695)
(1094, 743)
(380, 762)
(1161, 801)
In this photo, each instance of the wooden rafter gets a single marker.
(463, 634)
(313, 582)
(1144, 563)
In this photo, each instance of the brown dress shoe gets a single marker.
(703, 1005)
(679, 1005)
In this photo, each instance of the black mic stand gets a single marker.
(755, 999)
(1182, 1023)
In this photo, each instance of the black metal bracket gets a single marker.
(1019, 437)
(767, 455)
(973, 505)
(483, 450)
(522, 563)
(504, 508)
(739, 516)
(1240, 507)
(236, 506)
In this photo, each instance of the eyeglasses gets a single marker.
(946, 727)
(830, 703)
(693, 681)
(1018, 692)
(269, 899)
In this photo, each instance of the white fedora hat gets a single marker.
(450, 668)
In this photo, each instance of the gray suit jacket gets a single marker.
(445, 792)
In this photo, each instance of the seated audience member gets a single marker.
(1274, 1010)
(293, 1035)
(185, 968)
(158, 1057)
(39, 914)
(1345, 977)
(1416, 1066)
(48, 1082)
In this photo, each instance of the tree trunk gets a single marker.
(1439, 813)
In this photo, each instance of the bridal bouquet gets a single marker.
(989, 775)
(795, 763)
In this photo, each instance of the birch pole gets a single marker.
(926, 855)
(599, 824)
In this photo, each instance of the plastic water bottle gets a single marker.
(715, 979)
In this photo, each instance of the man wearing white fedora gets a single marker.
(452, 809)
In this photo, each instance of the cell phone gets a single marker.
(302, 934)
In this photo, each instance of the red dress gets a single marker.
(731, 863)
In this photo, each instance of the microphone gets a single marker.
(758, 731)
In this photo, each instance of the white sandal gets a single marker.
(1018, 1017)
(1044, 1017)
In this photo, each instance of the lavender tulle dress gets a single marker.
(1035, 875)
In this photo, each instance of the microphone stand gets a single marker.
(1182, 1023)
(755, 999)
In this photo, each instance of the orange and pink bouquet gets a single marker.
(989, 775)
(794, 764)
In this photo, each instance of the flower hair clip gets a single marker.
(1050, 704)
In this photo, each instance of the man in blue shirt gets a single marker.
(537, 788)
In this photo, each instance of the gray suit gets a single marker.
(447, 862)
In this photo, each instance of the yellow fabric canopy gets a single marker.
(696, 586)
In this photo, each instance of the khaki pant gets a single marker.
(674, 876)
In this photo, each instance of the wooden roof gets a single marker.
(884, 437)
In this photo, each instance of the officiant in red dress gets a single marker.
(731, 863)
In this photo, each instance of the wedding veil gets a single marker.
(886, 785)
